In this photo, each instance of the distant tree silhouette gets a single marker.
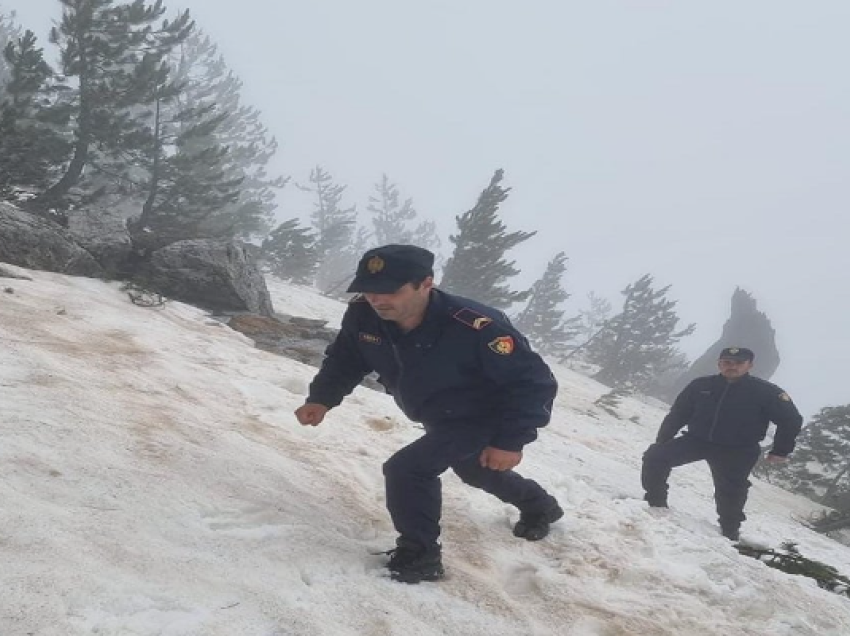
(542, 321)
(639, 343)
(33, 120)
(821, 466)
(335, 227)
(9, 32)
(397, 221)
(477, 267)
(290, 253)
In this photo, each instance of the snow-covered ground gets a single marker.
(153, 481)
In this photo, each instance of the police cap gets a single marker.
(738, 354)
(383, 270)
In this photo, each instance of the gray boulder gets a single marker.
(219, 275)
(103, 233)
(27, 240)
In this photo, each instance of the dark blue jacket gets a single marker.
(734, 413)
(465, 365)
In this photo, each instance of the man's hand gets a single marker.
(311, 414)
(775, 459)
(498, 459)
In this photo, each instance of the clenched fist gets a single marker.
(498, 459)
(311, 414)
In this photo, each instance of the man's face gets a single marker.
(732, 369)
(405, 306)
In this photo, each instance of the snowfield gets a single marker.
(153, 481)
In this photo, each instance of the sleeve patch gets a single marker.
(784, 397)
(472, 318)
(503, 345)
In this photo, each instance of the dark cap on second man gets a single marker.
(383, 270)
(738, 354)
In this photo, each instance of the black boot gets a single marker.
(413, 563)
(535, 526)
(733, 533)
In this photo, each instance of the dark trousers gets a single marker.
(414, 495)
(730, 468)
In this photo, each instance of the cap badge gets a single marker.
(734, 351)
(375, 264)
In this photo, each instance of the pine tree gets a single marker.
(821, 466)
(208, 86)
(9, 32)
(290, 252)
(542, 321)
(393, 220)
(116, 54)
(33, 121)
(335, 227)
(186, 182)
(477, 267)
(639, 342)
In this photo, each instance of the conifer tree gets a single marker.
(393, 220)
(639, 342)
(290, 252)
(335, 227)
(478, 268)
(542, 321)
(33, 120)
(821, 466)
(209, 89)
(115, 52)
(589, 325)
(9, 32)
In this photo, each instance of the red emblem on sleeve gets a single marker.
(503, 345)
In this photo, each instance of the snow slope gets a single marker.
(153, 481)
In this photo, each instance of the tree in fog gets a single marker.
(9, 32)
(395, 221)
(639, 343)
(335, 227)
(821, 466)
(478, 267)
(589, 323)
(212, 91)
(291, 252)
(542, 321)
(116, 54)
(33, 121)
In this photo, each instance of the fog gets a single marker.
(705, 144)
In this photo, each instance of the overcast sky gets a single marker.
(704, 143)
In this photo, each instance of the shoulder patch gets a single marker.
(472, 318)
(503, 345)
(784, 397)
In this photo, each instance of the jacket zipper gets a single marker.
(717, 413)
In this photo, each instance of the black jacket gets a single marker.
(464, 365)
(734, 413)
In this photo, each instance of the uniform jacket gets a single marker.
(464, 365)
(734, 413)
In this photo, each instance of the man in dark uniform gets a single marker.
(463, 371)
(726, 415)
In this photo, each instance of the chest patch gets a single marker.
(369, 338)
(472, 318)
(503, 345)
